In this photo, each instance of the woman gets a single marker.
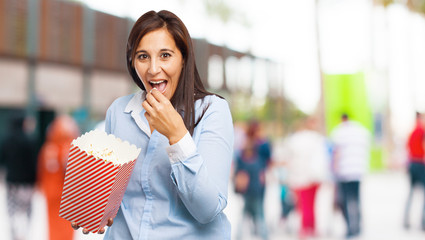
(178, 189)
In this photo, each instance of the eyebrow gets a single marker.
(162, 50)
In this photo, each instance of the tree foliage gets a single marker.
(413, 5)
(416, 5)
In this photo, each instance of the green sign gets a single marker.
(347, 93)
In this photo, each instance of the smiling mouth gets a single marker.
(159, 85)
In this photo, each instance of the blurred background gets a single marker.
(275, 61)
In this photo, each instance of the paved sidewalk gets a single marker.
(383, 199)
(383, 196)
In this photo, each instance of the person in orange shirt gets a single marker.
(52, 161)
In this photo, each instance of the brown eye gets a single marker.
(142, 56)
(165, 55)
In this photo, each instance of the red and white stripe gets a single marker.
(93, 189)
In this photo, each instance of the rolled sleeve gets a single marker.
(182, 149)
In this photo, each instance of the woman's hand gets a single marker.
(86, 231)
(162, 116)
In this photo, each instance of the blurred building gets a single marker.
(61, 56)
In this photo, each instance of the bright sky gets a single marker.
(353, 36)
(280, 30)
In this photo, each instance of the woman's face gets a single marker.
(158, 62)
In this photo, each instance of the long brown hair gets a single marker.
(190, 87)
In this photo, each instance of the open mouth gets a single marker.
(159, 85)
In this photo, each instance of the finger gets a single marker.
(85, 231)
(101, 231)
(150, 98)
(110, 222)
(147, 106)
(75, 226)
(158, 95)
(148, 118)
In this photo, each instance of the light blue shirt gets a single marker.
(178, 191)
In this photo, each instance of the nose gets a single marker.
(154, 67)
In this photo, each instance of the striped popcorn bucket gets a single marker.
(93, 186)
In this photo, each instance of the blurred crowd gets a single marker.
(30, 166)
(301, 162)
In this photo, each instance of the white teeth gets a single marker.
(152, 82)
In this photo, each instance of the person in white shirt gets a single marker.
(351, 150)
(307, 164)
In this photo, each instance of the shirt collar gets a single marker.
(135, 108)
(135, 104)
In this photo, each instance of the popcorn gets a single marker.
(99, 167)
(105, 153)
(107, 147)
